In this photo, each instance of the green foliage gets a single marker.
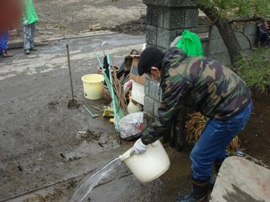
(238, 8)
(255, 69)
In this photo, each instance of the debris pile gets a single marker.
(132, 27)
(117, 88)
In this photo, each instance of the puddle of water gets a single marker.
(92, 180)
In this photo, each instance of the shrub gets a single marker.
(255, 69)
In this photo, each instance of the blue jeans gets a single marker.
(4, 40)
(215, 138)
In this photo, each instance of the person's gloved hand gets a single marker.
(138, 147)
(25, 22)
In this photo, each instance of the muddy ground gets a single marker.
(60, 18)
(255, 138)
(39, 147)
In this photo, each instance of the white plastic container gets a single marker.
(133, 108)
(149, 165)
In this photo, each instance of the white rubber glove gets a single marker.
(138, 147)
(25, 22)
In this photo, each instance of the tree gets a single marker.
(222, 13)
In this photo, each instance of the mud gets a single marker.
(132, 27)
(42, 158)
(254, 138)
(38, 144)
(59, 18)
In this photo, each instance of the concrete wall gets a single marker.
(214, 47)
(166, 19)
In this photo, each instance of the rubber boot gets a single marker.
(217, 165)
(199, 192)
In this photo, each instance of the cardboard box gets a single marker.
(134, 71)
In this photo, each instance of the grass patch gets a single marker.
(255, 69)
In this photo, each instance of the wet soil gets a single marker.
(132, 27)
(255, 138)
(39, 146)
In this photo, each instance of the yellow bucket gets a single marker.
(92, 86)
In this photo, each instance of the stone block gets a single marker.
(194, 29)
(165, 37)
(170, 3)
(148, 105)
(149, 15)
(241, 180)
(157, 16)
(151, 35)
(191, 18)
(243, 41)
(214, 33)
(205, 46)
(174, 19)
(156, 106)
(217, 46)
(203, 28)
(251, 28)
(146, 85)
(154, 91)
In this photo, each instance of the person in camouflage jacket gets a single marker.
(204, 85)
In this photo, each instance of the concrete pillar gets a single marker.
(165, 20)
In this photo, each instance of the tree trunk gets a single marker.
(225, 30)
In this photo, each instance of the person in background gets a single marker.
(204, 85)
(263, 33)
(3, 44)
(29, 20)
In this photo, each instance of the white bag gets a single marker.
(131, 124)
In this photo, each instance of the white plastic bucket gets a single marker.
(92, 86)
(149, 165)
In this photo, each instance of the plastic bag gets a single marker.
(131, 124)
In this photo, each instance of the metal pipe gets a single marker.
(70, 72)
(88, 111)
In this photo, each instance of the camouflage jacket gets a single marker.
(199, 83)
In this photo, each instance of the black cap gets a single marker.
(150, 57)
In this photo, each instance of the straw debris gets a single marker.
(194, 126)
